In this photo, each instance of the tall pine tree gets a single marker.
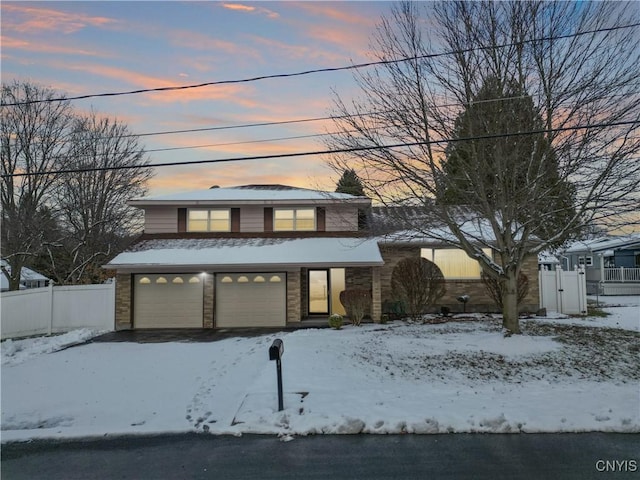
(493, 163)
(350, 183)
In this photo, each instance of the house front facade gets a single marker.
(251, 256)
(262, 256)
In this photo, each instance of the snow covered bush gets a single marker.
(356, 302)
(335, 321)
(418, 284)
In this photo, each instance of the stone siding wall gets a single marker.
(123, 301)
(359, 278)
(208, 306)
(391, 257)
(294, 313)
(480, 300)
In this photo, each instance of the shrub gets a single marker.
(335, 321)
(418, 284)
(356, 303)
(495, 288)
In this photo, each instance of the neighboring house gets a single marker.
(548, 261)
(611, 263)
(28, 278)
(266, 255)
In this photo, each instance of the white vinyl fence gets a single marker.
(39, 311)
(563, 292)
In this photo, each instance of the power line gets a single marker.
(318, 70)
(320, 152)
(308, 120)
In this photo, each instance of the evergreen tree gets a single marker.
(350, 183)
(496, 168)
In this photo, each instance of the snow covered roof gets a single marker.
(477, 231)
(26, 275)
(603, 244)
(548, 258)
(253, 253)
(249, 193)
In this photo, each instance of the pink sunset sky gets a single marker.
(80, 48)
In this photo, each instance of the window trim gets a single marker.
(295, 219)
(209, 210)
(585, 261)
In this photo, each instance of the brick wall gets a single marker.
(480, 301)
(293, 297)
(123, 301)
(208, 301)
(391, 257)
(359, 278)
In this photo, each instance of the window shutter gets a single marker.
(268, 219)
(235, 219)
(321, 219)
(182, 220)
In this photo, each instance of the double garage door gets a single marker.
(241, 300)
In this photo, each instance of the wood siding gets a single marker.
(161, 219)
(251, 219)
(341, 218)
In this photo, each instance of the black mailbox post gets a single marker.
(275, 353)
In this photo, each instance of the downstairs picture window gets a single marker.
(454, 263)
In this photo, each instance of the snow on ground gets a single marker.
(562, 374)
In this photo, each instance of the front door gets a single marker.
(318, 292)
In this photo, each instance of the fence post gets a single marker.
(622, 274)
(50, 327)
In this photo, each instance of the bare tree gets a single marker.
(92, 201)
(33, 138)
(578, 63)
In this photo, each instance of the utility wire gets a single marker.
(320, 152)
(319, 70)
(311, 119)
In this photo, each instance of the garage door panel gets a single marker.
(168, 301)
(251, 300)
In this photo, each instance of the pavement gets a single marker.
(576, 456)
(198, 334)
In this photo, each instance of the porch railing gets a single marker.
(621, 274)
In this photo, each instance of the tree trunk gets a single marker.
(510, 319)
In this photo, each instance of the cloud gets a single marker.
(239, 7)
(328, 10)
(25, 18)
(198, 41)
(232, 93)
(16, 44)
(195, 177)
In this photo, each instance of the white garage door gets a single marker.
(168, 301)
(251, 300)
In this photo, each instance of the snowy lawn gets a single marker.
(561, 375)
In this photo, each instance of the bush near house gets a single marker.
(335, 321)
(356, 303)
(418, 284)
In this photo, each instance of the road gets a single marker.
(459, 456)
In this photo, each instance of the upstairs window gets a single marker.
(212, 220)
(294, 219)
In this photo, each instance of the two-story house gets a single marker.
(269, 255)
(256, 255)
